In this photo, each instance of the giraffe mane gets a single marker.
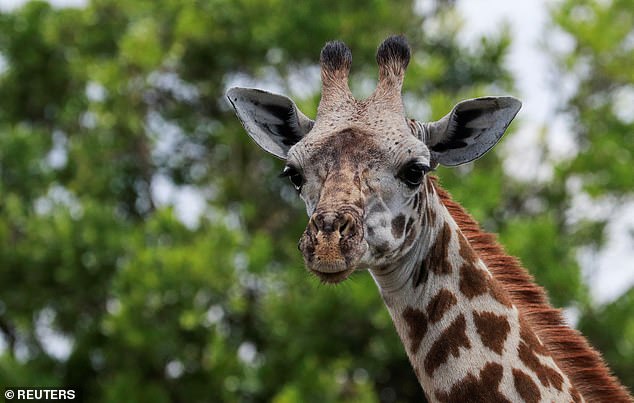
(572, 352)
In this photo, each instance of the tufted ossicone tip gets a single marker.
(336, 58)
(393, 55)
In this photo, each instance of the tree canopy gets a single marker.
(147, 247)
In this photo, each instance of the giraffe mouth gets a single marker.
(332, 277)
(333, 252)
(328, 263)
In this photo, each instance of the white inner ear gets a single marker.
(273, 121)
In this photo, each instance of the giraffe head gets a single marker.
(360, 165)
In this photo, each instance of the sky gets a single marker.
(609, 273)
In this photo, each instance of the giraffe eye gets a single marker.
(413, 172)
(294, 176)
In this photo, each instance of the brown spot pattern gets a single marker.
(417, 327)
(528, 348)
(382, 248)
(576, 358)
(526, 387)
(473, 281)
(493, 329)
(449, 342)
(484, 388)
(437, 259)
(440, 304)
(466, 251)
(398, 226)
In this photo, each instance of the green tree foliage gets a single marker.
(599, 63)
(103, 105)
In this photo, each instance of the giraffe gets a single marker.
(474, 325)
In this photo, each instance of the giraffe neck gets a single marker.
(464, 338)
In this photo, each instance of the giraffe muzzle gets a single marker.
(332, 244)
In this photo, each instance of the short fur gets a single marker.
(583, 365)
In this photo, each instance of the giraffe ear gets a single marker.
(272, 120)
(471, 129)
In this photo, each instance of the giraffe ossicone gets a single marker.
(361, 168)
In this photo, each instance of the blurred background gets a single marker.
(148, 249)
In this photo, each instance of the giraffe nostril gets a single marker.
(327, 222)
(344, 227)
(347, 227)
(330, 222)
